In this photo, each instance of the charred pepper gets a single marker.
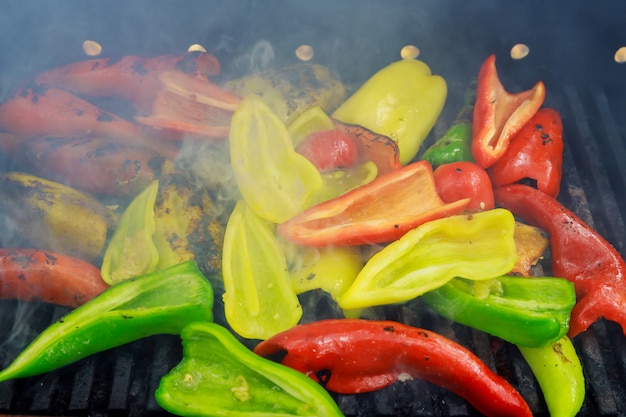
(579, 254)
(401, 101)
(350, 356)
(524, 311)
(498, 114)
(161, 302)
(219, 376)
(535, 153)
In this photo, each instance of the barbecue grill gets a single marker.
(572, 45)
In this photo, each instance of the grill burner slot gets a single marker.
(122, 382)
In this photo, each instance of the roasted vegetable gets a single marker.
(351, 356)
(218, 376)
(49, 215)
(464, 179)
(498, 114)
(159, 303)
(525, 311)
(401, 101)
(475, 246)
(531, 243)
(276, 181)
(289, 91)
(49, 277)
(259, 300)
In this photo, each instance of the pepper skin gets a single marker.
(158, 303)
(579, 254)
(463, 179)
(456, 143)
(559, 373)
(474, 246)
(379, 211)
(350, 356)
(402, 101)
(498, 114)
(536, 153)
(219, 376)
(523, 311)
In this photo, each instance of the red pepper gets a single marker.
(380, 211)
(39, 275)
(329, 149)
(464, 179)
(498, 114)
(536, 152)
(350, 356)
(579, 254)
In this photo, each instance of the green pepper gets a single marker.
(274, 180)
(474, 246)
(161, 302)
(456, 143)
(219, 376)
(559, 373)
(524, 311)
(402, 101)
(259, 300)
(131, 251)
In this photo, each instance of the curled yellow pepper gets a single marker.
(401, 101)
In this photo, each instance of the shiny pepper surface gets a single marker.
(274, 180)
(219, 376)
(477, 247)
(402, 101)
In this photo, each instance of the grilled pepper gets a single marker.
(401, 101)
(276, 182)
(535, 153)
(259, 300)
(158, 303)
(477, 247)
(351, 356)
(498, 114)
(579, 254)
(524, 311)
(464, 179)
(456, 143)
(380, 211)
(559, 373)
(219, 376)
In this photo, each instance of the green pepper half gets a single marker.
(525, 311)
(161, 302)
(219, 376)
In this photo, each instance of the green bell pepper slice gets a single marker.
(274, 180)
(259, 299)
(401, 101)
(474, 246)
(530, 312)
(161, 302)
(219, 376)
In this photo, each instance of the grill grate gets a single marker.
(121, 382)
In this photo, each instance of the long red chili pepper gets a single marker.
(579, 254)
(350, 356)
(38, 275)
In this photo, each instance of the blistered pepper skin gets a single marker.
(352, 356)
(402, 101)
(219, 376)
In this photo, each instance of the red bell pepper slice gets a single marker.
(350, 356)
(380, 211)
(463, 179)
(498, 114)
(579, 254)
(536, 152)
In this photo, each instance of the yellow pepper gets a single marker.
(402, 101)
(275, 181)
(474, 246)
